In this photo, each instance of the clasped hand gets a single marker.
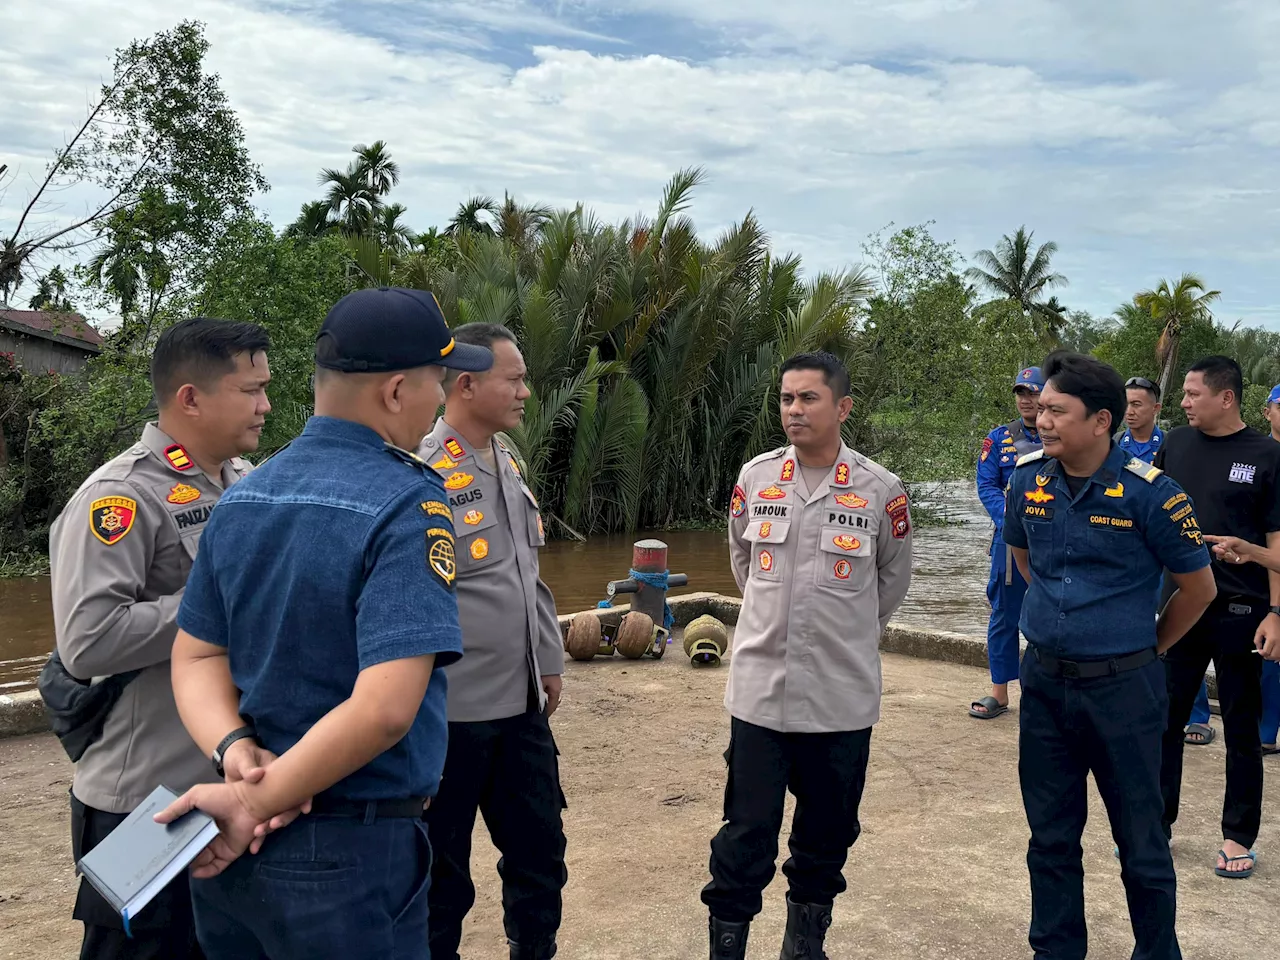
(240, 828)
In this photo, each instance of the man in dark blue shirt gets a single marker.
(313, 633)
(1091, 530)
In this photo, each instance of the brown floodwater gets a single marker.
(947, 586)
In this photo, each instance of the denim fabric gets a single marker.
(1096, 558)
(320, 568)
(324, 888)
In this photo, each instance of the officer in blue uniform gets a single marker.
(1005, 587)
(1142, 437)
(313, 634)
(1092, 529)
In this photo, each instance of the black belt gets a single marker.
(1092, 669)
(369, 810)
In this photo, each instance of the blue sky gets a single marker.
(1141, 136)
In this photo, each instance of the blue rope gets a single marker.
(658, 581)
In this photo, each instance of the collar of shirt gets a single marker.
(334, 428)
(443, 432)
(1106, 475)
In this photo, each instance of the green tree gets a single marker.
(51, 292)
(313, 221)
(1017, 270)
(1176, 307)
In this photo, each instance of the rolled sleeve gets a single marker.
(407, 606)
(1013, 534)
(1172, 530)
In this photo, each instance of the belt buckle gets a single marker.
(1069, 669)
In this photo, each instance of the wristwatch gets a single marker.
(1275, 610)
(220, 750)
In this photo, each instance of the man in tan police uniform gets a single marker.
(120, 553)
(820, 542)
(502, 758)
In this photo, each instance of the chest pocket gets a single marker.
(1112, 538)
(846, 558)
(767, 538)
(481, 542)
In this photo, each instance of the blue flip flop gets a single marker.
(1236, 874)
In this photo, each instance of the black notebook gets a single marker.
(137, 859)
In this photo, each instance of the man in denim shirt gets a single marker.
(1091, 530)
(313, 631)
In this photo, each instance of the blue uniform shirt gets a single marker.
(333, 556)
(1096, 560)
(1146, 452)
(1000, 452)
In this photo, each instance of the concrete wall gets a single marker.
(39, 355)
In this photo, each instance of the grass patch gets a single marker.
(23, 563)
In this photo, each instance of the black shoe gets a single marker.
(807, 925)
(728, 940)
(537, 951)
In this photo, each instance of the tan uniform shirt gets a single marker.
(510, 634)
(120, 553)
(821, 571)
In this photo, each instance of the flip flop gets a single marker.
(993, 708)
(1270, 751)
(1203, 729)
(1236, 874)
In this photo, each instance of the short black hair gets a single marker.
(833, 371)
(1220, 373)
(201, 350)
(1095, 383)
(483, 334)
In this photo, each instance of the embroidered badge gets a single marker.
(445, 463)
(479, 548)
(766, 528)
(842, 475)
(772, 493)
(458, 481)
(850, 500)
(110, 518)
(440, 556)
(788, 471)
(1116, 491)
(1042, 481)
(766, 561)
(177, 457)
(986, 447)
(899, 516)
(846, 542)
(1038, 495)
(542, 531)
(454, 448)
(842, 569)
(472, 518)
(738, 503)
(434, 508)
(182, 493)
(515, 466)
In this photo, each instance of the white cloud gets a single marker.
(830, 118)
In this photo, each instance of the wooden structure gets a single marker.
(47, 342)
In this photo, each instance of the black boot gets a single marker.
(807, 926)
(536, 951)
(728, 940)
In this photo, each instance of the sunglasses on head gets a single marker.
(1142, 382)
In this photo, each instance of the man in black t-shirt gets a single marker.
(1232, 474)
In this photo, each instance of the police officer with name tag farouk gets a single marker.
(1005, 587)
(120, 553)
(820, 542)
(1091, 530)
(502, 758)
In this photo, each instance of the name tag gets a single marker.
(1113, 523)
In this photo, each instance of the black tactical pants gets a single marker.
(826, 773)
(509, 771)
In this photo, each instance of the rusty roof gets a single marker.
(64, 327)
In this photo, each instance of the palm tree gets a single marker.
(116, 267)
(1014, 271)
(350, 200)
(391, 232)
(1176, 307)
(51, 293)
(379, 171)
(313, 221)
(467, 219)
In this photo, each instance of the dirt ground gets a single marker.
(938, 872)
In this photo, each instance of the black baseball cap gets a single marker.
(379, 329)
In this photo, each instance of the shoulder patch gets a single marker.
(441, 559)
(111, 518)
(178, 458)
(408, 456)
(1030, 457)
(1145, 470)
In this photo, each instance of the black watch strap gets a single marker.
(220, 750)
(1275, 610)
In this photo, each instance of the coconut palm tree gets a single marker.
(350, 200)
(391, 232)
(468, 219)
(1015, 271)
(379, 171)
(313, 221)
(1175, 306)
(51, 292)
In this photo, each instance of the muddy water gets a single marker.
(947, 587)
